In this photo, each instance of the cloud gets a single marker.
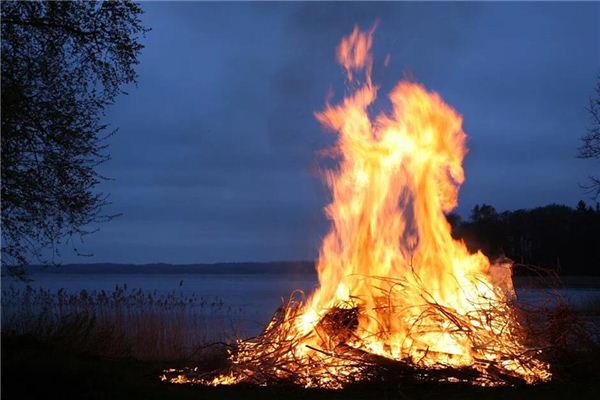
(217, 147)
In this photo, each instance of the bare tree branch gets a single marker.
(590, 147)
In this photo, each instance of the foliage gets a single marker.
(555, 236)
(62, 64)
(590, 148)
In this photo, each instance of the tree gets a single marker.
(482, 213)
(63, 63)
(590, 147)
(554, 236)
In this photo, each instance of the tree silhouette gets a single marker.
(62, 64)
(590, 147)
(553, 236)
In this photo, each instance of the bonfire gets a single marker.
(398, 297)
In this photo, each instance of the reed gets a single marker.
(120, 323)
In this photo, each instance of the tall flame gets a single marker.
(398, 174)
(393, 281)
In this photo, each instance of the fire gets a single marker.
(394, 285)
(390, 242)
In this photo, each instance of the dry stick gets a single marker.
(270, 354)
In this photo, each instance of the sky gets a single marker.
(217, 154)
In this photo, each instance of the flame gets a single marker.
(393, 281)
(398, 174)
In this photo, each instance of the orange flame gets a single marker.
(390, 241)
(422, 297)
(354, 52)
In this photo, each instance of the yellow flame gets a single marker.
(398, 174)
(423, 297)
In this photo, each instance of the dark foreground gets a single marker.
(35, 370)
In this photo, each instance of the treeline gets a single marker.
(554, 236)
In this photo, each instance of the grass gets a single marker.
(590, 307)
(114, 345)
(122, 323)
(36, 370)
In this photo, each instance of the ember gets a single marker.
(398, 295)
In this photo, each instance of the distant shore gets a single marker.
(291, 268)
(275, 267)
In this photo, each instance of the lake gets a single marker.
(249, 298)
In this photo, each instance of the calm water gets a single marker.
(250, 297)
(253, 297)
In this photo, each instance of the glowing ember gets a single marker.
(397, 292)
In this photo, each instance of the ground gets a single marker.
(35, 370)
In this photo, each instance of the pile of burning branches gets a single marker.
(333, 354)
(399, 298)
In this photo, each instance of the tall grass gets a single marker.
(119, 323)
(589, 307)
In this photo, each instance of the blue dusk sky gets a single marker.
(217, 147)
